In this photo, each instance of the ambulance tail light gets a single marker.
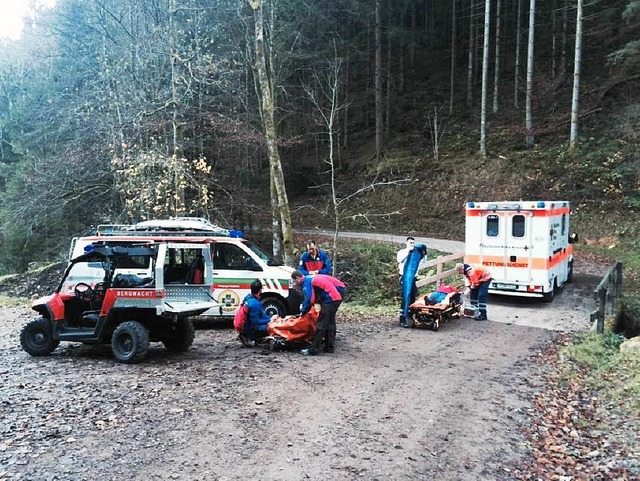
(534, 288)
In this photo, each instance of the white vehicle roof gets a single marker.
(518, 205)
(173, 226)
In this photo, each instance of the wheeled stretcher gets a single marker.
(432, 310)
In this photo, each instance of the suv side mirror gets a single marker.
(573, 238)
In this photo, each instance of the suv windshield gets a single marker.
(270, 261)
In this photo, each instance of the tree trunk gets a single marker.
(516, 81)
(345, 122)
(485, 78)
(472, 48)
(276, 226)
(412, 42)
(563, 53)
(176, 122)
(453, 55)
(275, 165)
(573, 141)
(554, 47)
(378, 81)
(496, 74)
(529, 98)
(387, 107)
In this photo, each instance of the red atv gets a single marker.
(125, 310)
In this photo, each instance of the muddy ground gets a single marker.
(391, 403)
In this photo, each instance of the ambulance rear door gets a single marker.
(506, 247)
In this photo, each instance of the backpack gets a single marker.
(241, 317)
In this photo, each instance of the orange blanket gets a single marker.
(298, 329)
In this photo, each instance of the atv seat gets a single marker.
(90, 318)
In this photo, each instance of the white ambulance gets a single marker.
(525, 245)
(237, 262)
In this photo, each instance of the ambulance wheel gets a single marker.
(570, 273)
(273, 306)
(130, 342)
(548, 296)
(36, 338)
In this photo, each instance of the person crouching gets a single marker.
(329, 292)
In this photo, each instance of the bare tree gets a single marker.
(453, 54)
(378, 80)
(573, 140)
(485, 78)
(436, 126)
(326, 101)
(516, 80)
(529, 98)
(496, 74)
(472, 47)
(268, 110)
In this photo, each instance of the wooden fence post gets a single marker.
(602, 300)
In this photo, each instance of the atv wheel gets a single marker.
(37, 337)
(182, 337)
(273, 306)
(130, 342)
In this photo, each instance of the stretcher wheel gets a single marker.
(436, 324)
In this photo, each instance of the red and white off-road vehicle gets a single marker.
(123, 309)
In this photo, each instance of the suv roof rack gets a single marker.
(175, 226)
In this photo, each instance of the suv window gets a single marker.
(270, 261)
(230, 256)
(182, 265)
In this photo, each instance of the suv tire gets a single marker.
(37, 337)
(130, 342)
(274, 306)
(182, 337)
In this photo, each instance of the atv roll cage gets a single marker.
(125, 310)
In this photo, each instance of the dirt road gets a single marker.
(391, 404)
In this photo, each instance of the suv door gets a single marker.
(234, 270)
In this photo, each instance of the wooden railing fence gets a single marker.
(440, 274)
(608, 296)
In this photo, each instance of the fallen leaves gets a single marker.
(571, 436)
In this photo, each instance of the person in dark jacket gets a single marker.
(314, 261)
(255, 326)
(329, 292)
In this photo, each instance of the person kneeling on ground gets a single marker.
(255, 325)
(329, 293)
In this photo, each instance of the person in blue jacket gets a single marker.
(256, 325)
(314, 261)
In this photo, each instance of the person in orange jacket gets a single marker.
(479, 281)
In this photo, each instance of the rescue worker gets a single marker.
(329, 292)
(314, 261)
(479, 280)
(255, 326)
(401, 258)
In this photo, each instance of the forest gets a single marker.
(288, 114)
